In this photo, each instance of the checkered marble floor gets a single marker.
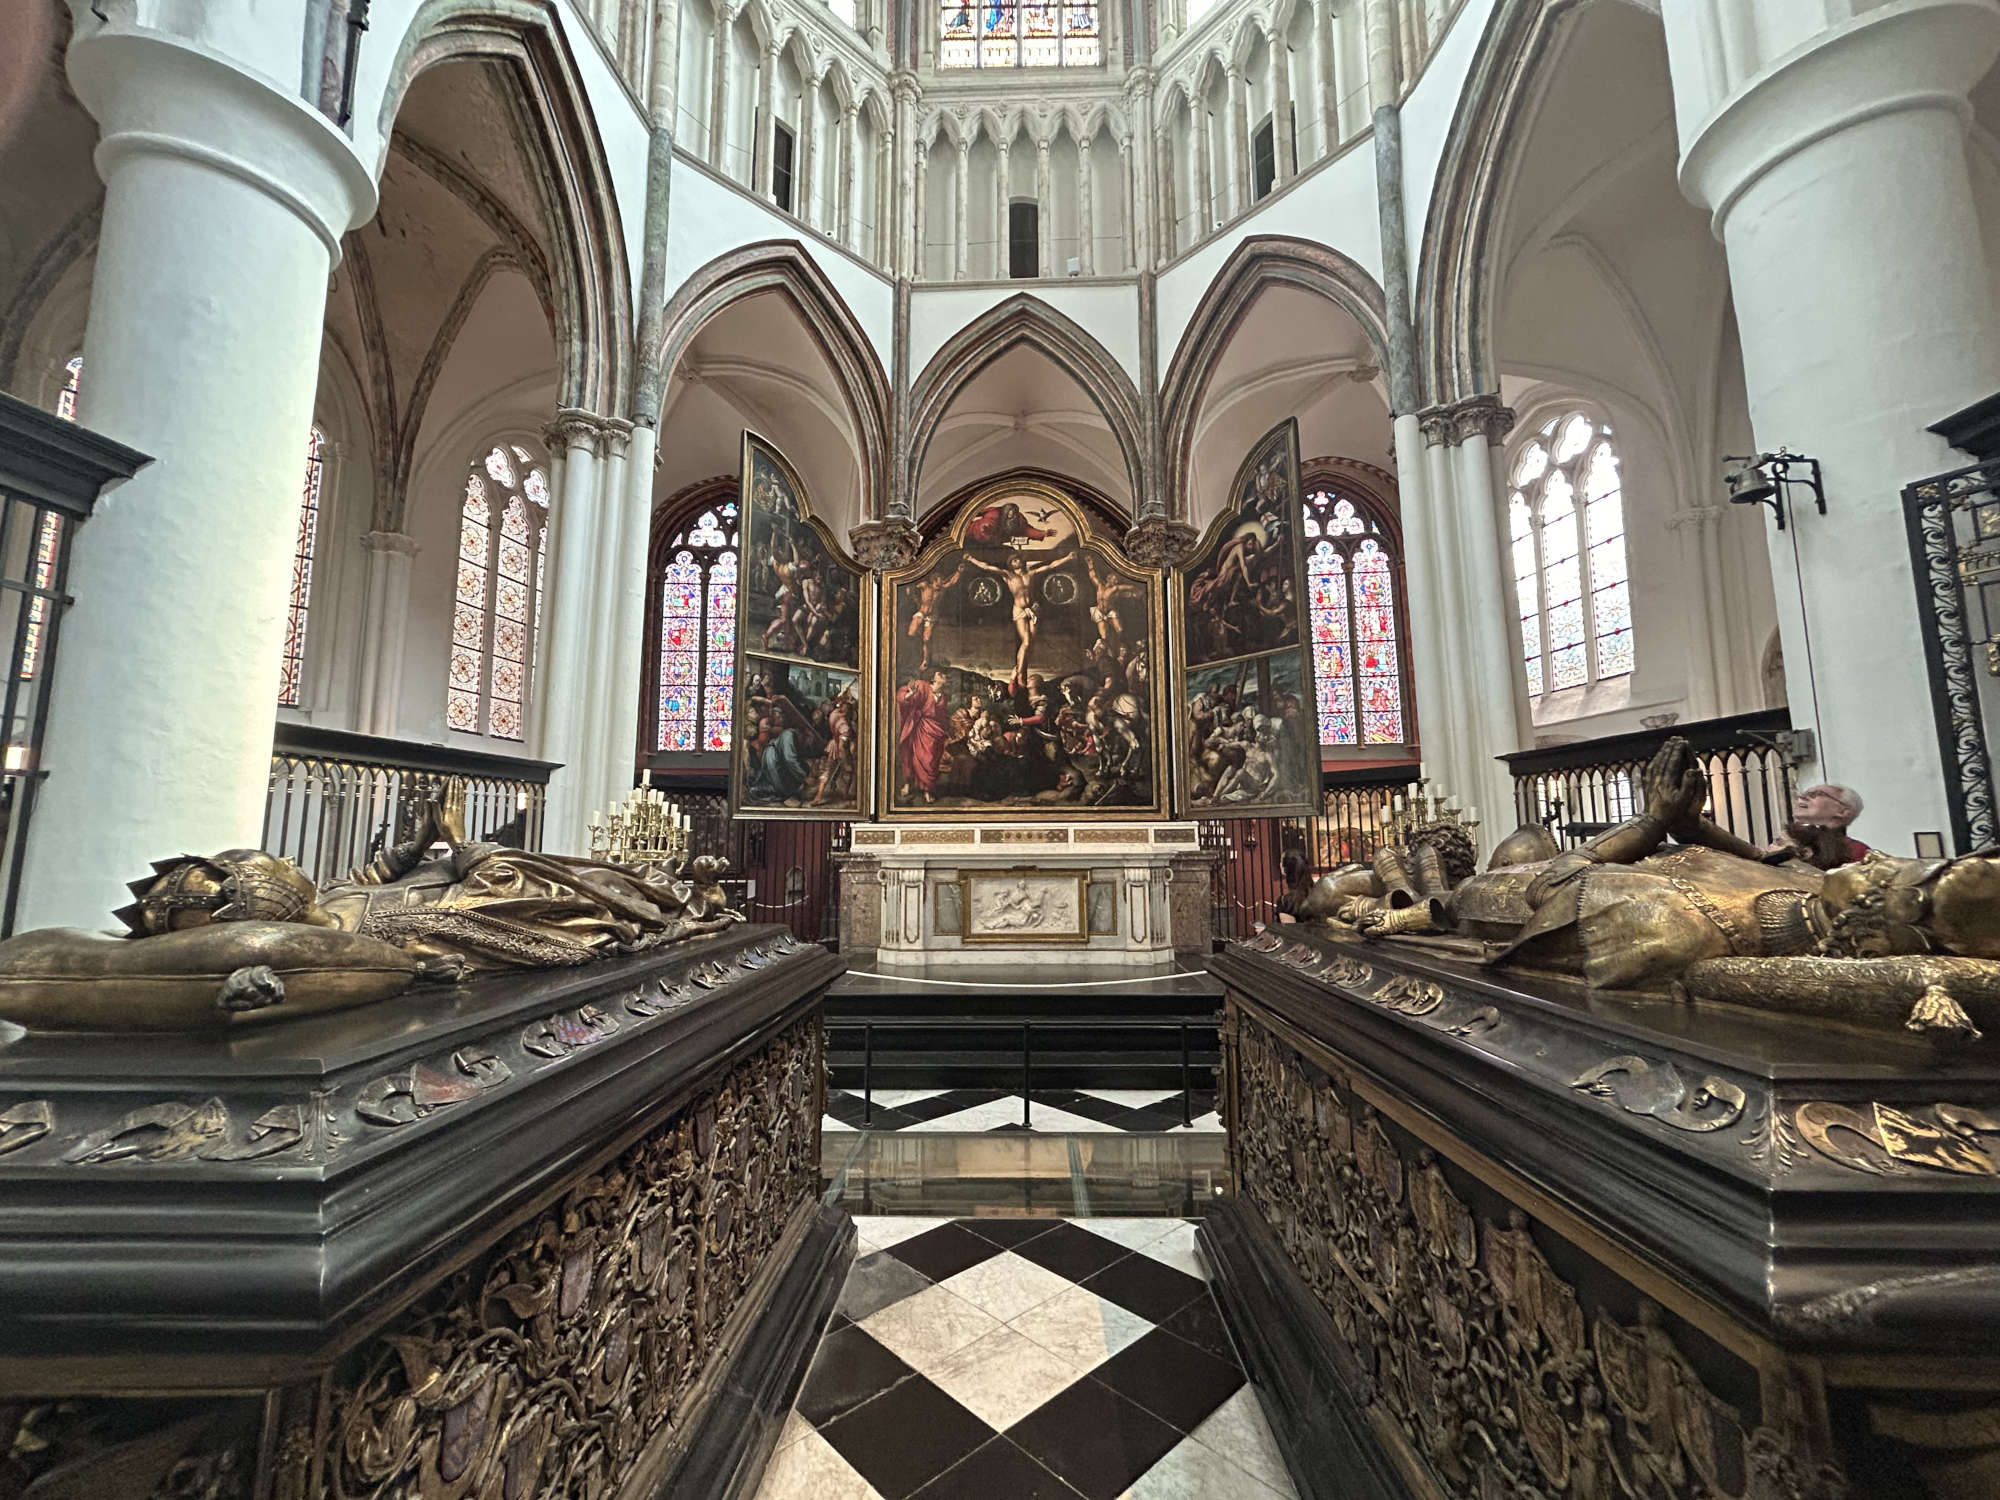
(1054, 1111)
(1026, 1359)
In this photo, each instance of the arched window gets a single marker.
(1009, 34)
(291, 673)
(49, 538)
(694, 620)
(1566, 519)
(502, 527)
(1352, 580)
(72, 383)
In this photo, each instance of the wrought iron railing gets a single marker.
(337, 797)
(1249, 874)
(50, 473)
(1579, 790)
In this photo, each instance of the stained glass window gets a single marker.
(694, 587)
(48, 538)
(1566, 528)
(1356, 641)
(1015, 33)
(72, 383)
(497, 605)
(291, 673)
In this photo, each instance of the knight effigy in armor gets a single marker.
(1668, 901)
(261, 936)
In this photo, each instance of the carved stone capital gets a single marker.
(614, 435)
(572, 427)
(1461, 421)
(1159, 542)
(880, 545)
(394, 542)
(904, 86)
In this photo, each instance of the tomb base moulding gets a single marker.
(1095, 894)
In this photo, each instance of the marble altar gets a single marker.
(1111, 894)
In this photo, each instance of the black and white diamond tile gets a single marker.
(1052, 1112)
(1026, 1359)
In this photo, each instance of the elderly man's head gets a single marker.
(1826, 806)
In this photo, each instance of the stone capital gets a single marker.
(614, 435)
(1460, 422)
(1159, 542)
(881, 545)
(903, 85)
(394, 543)
(570, 428)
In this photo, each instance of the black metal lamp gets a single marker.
(1767, 479)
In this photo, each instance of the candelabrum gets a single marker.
(643, 829)
(1407, 815)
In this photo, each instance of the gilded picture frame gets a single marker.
(802, 744)
(1247, 733)
(1033, 617)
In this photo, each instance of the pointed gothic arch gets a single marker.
(1025, 319)
(1456, 276)
(1257, 263)
(785, 267)
(592, 273)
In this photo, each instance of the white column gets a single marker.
(1044, 237)
(1428, 645)
(1705, 617)
(1002, 212)
(1168, 237)
(1239, 144)
(850, 129)
(1282, 143)
(1328, 73)
(1486, 648)
(961, 200)
(604, 778)
(1204, 175)
(764, 135)
(917, 214)
(1086, 209)
(718, 112)
(1379, 20)
(225, 200)
(562, 676)
(805, 166)
(385, 617)
(1838, 183)
(1137, 218)
(628, 621)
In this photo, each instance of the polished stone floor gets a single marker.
(1026, 1358)
(945, 1176)
(1052, 1111)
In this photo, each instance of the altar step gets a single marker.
(957, 1027)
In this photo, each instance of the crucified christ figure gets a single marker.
(1109, 586)
(1019, 576)
(931, 592)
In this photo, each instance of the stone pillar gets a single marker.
(1204, 177)
(1137, 220)
(1238, 173)
(1860, 327)
(1003, 256)
(385, 614)
(225, 199)
(918, 212)
(961, 198)
(1167, 235)
(626, 575)
(1487, 649)
(850, 133)
(764, 135)
(1690, 528)
(860, 903)
(562, 681)
(805, 168)
(1283, 143)
(1379, 19)
(601, 777)
(1044, 238)
(1328, 73)
(1086, 240)
(718, 114)
(1141, 174)
(905, 252)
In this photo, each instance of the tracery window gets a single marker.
(291, 675)
(502, 530)
(694, 603)
(1351, 582)
(1566, 521)
(1006, 34)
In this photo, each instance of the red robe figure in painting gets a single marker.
(923, 726)
(998, 525)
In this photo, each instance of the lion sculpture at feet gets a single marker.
(245, 936)
(1668, 901)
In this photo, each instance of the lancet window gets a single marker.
(1003, 34)
(291, 674)
(1353, 577)
(1566, 522)
(694, 577)
(496, 618)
